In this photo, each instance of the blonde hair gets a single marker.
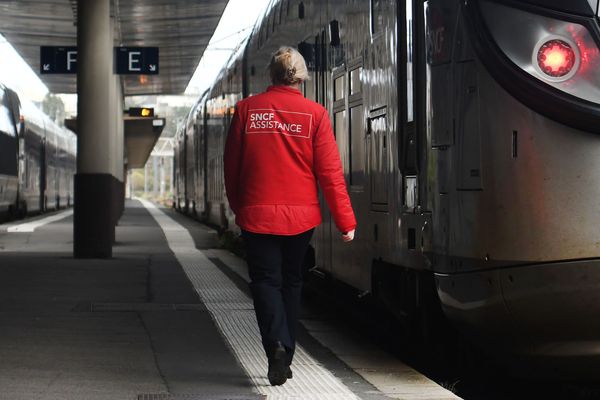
(287, 67)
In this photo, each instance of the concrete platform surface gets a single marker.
(168, 317)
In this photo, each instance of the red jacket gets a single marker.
(278, 146)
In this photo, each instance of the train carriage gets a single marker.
(38, 158)
(468, 138)
(32, 138)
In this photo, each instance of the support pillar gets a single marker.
(96, 184)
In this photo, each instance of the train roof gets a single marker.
(238, 53)
(194, 111)
(31, 114)
(215, 88)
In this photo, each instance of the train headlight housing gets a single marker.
(557, 59)
(559, 52)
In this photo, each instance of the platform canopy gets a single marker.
(181, 29)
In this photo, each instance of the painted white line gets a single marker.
(233, 314)
(33, 225)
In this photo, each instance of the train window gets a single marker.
(276, 16)
(341, 137)
(339, 86)
(355, 84)
(309, 87)
(28, 175)
(268, 26)
(357, 146)
(376, 16)
(378, 159)
(283, 10)
(22, 162)
(279, 11)
(6, 125)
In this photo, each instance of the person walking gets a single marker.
(280, 145)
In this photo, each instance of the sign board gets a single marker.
(137, 60)
(129, 60)
(58, 60)
(140, 112)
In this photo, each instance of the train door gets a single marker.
(408, 117)
(43, 173)
(199, 162)
(440, 23)
(23, 167)
(323, 235)
(205, 160)
(184, 170)
(416, 219)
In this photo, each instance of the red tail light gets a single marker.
(557, 58)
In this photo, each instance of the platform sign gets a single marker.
(137, 60)
(58, 60)
(129, 60)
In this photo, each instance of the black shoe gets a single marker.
(278, 368)
(289, 373)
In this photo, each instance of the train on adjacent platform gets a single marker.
(469, 135)
(37, 159)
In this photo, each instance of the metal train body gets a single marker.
(38, 158)
(474, 178)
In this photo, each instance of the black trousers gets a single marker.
(275, 269)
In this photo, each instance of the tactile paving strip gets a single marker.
(163, 396)
(233, 313)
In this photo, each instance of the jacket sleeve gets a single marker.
(328, 169)
(232, 160)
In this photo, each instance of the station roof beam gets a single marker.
(181, 29)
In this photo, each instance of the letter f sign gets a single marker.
(71, 59)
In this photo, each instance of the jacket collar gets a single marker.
(284, 89)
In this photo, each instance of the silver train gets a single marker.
(468, 132)
(37, 159)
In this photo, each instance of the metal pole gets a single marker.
(155, 175)
(146, 178)
(131, 183)
(162, 177)
(171, 174)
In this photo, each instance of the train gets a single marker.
(37, 159)
(468, 133)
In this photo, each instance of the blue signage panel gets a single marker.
(137, 60)
(58, 60)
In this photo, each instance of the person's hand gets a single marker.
(348, 236)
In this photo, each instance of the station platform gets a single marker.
(168, 317)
